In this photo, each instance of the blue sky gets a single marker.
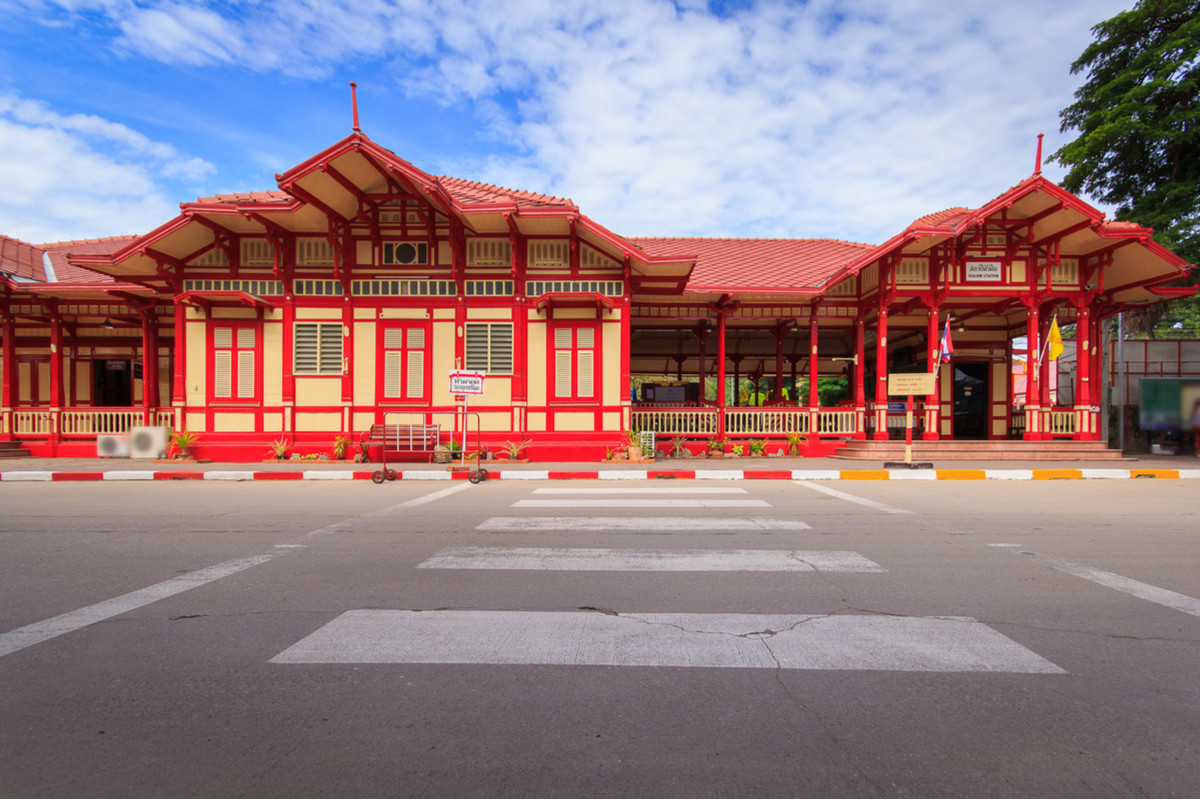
(817, 119)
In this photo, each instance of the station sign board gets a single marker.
(464, 381)
(911, 383)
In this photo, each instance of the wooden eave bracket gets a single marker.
(207, 300)
(547, 302)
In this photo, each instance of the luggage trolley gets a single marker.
(479, 475)
(413, 438)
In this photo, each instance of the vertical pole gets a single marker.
(908, 426)
(881, 431)
(1083, 377)
(779, 334)
(56, 381)
(8, 375)
(1121, 381)
(1032, 407)
(934, 347)
(721, 375)
(860, 381)
(814, 396)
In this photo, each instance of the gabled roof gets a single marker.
(473, 193)
(67, 272)
(747, 265)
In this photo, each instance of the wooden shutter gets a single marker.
(331, 349)
(223, 373)
(306, 348)
(391, 373)
(416, 364)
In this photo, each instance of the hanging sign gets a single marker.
(911, 383)
(984, 271)
(466, 382)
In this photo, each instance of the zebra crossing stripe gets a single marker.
(597, 559)
(639, 524)
(691, 502)
(605, 638)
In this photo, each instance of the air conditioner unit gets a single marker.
(111, 446)
(148, 442)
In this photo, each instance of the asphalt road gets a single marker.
(723, 638)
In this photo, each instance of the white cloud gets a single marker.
(77, 176)
(824, 118)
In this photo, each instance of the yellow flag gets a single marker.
(1055, 340)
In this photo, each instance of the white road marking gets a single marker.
(1143, 591)
(639, 524)
(697, 502)
(596, 638)
(653, 490)
(38, 632)
(862, 501)
(597, 559)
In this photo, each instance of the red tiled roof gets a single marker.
(950, 216)
(780, 264)
(270, 196)
(21, 259)
(472, 192)
(67, 272)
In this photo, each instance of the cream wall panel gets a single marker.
(83, 378)
(1018, 272)
(535, 421)
(404, 313)
(445, 257)
(194, 421)
(23, 382)
(305, 314)
(364, 363)
(496, 421)
(318, 392)
(272, 365)
(494, 314)
(999, 428)
(234, 313)
(610, 379)
(44, 381)
(537, 363)
(362, 252)
(233, 423)
(496, 391)
(442, 358)
(612, 421)
(365, 313)
(443, 313)
(311, 422)
(361, 422)
(574, 421)
(197, 353)
(273, 424)
(574, 313)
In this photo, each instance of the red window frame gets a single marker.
(240, 352)
(401, 354)
(574, 346)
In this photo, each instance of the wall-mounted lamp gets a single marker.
(955, 321)
(107, 324)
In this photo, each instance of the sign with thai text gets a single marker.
(466, 382)
(985, 271)
(911, 383)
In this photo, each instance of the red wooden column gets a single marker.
(149, 366)
(701, 366)
(721, 374)
(860, 382)
(1033, 411)
(56, 381)
(1044, 365)
(780, 332)
(814, 397)
(179, 381)
(932, 401)
(1083, 374)
(881, 431)
(8, 375)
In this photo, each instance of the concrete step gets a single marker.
(998, 450)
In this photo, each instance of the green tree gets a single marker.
(1138, 118)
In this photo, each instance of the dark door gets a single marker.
(970, 400)
(112, 382)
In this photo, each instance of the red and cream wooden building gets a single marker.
(348, 294)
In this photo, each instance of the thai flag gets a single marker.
(946, 348)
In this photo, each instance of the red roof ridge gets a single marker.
(76, 242)
(746, 239)
(235, 197)
(535, 197)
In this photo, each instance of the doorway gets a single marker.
(971, 394)
(112, 382)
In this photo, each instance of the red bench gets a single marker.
(393, 442)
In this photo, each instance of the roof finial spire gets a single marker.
(354, 103)
(1037, 168)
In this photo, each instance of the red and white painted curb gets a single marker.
(612, 475)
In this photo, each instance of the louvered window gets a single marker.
(318, 348)
(574, 359)
(490, 347)
(235, 362)
(405, 356)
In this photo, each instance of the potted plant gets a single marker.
(339, 447)
(737, 450)
(756, 448)
(716, 447)
(794, 442)
(513, 450)
(678, 447)
(183, 441)
(279, 449)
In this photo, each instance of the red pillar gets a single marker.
(149, 367)
(721, 374)
(860, 382)
(1033, 411)
(932, 401)
(8, 375)
(881, 431)
(814, 397)
(701, 359)
(780, 332)
(56, 382)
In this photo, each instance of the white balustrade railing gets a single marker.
(95, 421)
(676, 421)
(837, 422)
(765, 421)
(1060, 422)
(32, 422)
